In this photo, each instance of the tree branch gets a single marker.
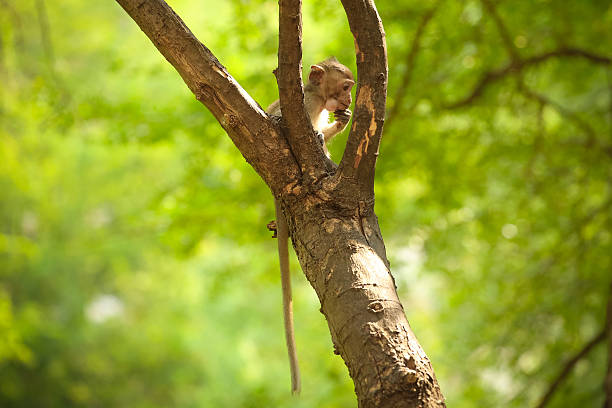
(338, 243)
(516, 66)
(503, 30)
(569, 365)
(240, 116)
(361, 150)
(304, 144)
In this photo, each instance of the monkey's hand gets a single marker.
(272, 228)
(343, 116)
(321, 137)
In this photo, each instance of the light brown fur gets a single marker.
(328, 90)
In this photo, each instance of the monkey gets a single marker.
(328, 90)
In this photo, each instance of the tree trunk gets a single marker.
(342, 253)
(329, 208)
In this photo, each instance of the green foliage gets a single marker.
(135, 267)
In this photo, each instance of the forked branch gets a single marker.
(518, 65)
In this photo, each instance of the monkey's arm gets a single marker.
(274, 108)
(342, 119)
(283, 256)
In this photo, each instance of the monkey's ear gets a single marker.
(316, 74)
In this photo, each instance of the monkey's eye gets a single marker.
(346, 87)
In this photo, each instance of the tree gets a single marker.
(329, 208)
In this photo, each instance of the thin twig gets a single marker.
(568, 367)
(514, 67)
(410, 64)
(503, 30)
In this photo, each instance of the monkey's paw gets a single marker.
(272, 227)
(321, 137)
(343, 116)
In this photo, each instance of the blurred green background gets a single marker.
(135, 266)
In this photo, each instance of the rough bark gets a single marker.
(302, 139)
(359, 159)
(329, 210)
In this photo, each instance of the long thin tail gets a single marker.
(283, 256)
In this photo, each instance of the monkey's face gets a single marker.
(338, 91)
(333, 82)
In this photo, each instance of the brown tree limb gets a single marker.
(240, 116)
(411, 57)
(304, 144)
(519, 65)
(569, 366)
(504, 33)
(372, 335)
(361, 150)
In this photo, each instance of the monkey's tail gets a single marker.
(283, 256)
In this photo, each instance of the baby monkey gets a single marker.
(328, 90)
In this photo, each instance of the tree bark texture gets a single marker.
(329, 208)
